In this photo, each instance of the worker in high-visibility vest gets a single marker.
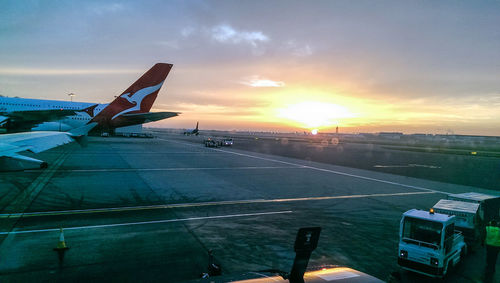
(492, 248)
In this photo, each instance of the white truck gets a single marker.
(429, 243)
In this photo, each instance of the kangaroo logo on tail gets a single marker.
(139, 97)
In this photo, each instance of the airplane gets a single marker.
(130, 108)
(11, 145)
(192, 131)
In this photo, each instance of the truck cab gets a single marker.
(429, 243)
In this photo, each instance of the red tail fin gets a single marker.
(139, 97)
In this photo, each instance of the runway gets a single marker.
(150, 209)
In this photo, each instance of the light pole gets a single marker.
(71, 95)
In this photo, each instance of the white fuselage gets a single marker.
(12, 104)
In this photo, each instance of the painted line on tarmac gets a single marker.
(323, 170)
(24, 199)
(337, 172)
(199, 204)
(407, 166)
(137, 152)
(179, 169)
(149, 222)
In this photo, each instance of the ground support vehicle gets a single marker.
(489, 205)
(211, 143)
(429, 243)
(226, 142)
(489, 209)
(467, 220)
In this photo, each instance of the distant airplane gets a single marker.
(192, 131)
(13, 144)
(130, 108)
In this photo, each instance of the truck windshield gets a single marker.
(422, 230)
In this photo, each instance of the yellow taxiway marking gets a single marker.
(200, 204)
(149, 222)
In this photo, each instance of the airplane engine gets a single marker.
(20, 162)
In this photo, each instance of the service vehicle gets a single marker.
(467, 219)
(226, 142)
(211, 143)
(489, 205)
(429, 244)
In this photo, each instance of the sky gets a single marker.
(364, 66)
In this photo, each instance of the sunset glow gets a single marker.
(383, 71)
(314, 114)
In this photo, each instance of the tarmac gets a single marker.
(151, 209)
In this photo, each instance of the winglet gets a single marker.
(81, 131)
(80, 134)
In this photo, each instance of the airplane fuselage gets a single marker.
(12, 104)
(132, 107)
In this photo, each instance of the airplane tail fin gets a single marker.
(196, 126)
(139, 97)
(147, 86)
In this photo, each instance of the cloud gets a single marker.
(106, 8)
(256, 81)
(192, 108)
(299, 50)
(57, 72)
(187, 31)
(303, 51)
(227, 34)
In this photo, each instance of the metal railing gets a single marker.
(421, 243)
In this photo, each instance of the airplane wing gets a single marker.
(13, 144)
(25, 120)
(140, 118)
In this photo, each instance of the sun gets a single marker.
(314, 114)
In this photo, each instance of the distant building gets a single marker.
(390, 135)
